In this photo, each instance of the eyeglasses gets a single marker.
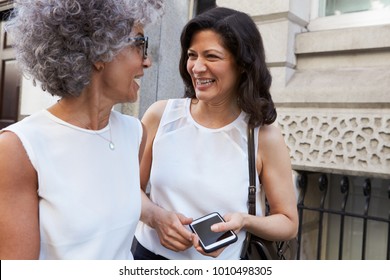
(141, 42)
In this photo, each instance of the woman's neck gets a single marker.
(82, 112)
(214, 115)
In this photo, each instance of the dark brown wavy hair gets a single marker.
(241, 37)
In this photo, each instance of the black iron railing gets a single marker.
(342, 213)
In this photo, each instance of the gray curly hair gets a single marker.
(57, 41)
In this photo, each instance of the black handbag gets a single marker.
(255, 247)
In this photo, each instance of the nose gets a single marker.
(147, 62)
(199, 66)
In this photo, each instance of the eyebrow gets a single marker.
(139, 34)
(207, 51)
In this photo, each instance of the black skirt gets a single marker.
(141, 253)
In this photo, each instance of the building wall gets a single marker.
(162, 80)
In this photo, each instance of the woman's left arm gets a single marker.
(273, 165)
(274, 168)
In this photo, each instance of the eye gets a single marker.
(138, 44)
(137, 41)
(191, 55)
(212, 56)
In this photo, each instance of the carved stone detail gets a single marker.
(346, 141)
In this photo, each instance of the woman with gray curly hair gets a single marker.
(69, 175)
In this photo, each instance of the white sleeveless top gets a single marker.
(89, 195)
(195, 171)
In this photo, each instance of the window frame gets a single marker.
(358, 19)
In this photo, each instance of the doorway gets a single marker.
(9, 79)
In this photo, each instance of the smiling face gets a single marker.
(121, 76)
(212, 68)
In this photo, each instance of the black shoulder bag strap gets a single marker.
(271, 250)
(252, 186)
(252, 172)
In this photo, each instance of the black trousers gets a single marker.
(141, 253)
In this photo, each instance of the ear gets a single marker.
(99, 66)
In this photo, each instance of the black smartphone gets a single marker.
(209, 240)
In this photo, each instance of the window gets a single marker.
(338, 7)
(334, 14)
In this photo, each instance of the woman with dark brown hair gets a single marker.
(196, 158)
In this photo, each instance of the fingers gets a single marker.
(199, 248)
(172, 232)
(184, 220)
(219, 227)
(196, 243)
(233, 221)
(183, 230)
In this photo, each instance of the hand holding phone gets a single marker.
(209, 240)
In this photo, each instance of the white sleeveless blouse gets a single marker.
(89, 195)
(195, 171)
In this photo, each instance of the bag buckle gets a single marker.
(251, 194)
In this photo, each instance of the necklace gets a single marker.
(111, 144)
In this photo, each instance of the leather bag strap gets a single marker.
(252, 172)
(251, 188)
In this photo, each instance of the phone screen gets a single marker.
(207, 236)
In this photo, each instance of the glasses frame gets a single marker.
(141, 41)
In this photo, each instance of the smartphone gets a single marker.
(209, 240)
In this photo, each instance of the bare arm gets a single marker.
(168, 225)
(19, 225)
(273, 165)
(150, 122)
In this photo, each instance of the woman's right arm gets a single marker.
(150, 123)
(168, 225)
(19, 220)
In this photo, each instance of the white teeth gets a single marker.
(138, 81)
(204, 82)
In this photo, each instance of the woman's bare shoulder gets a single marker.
(155, 111)
(10, 143)
(157, 107)
(13, 156)
(270, 135)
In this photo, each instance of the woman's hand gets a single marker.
(196, 244)
(233, 221)
(169, 225)
(173, 234)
